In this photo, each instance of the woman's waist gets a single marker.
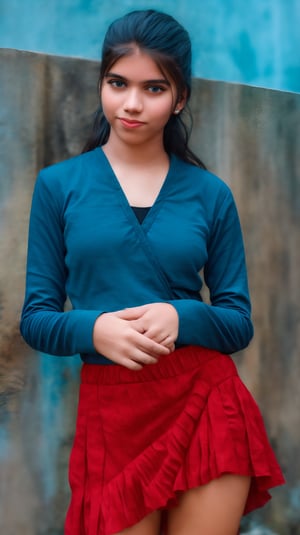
(98, 359)
(182, 360)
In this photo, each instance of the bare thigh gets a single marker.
(150, 525)
(212, 509)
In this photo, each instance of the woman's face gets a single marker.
(137, 99)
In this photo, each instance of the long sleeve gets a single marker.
(225, 324)
(44, 324)
(86, 244)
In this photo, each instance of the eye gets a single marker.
(118, 84)
(155, 89)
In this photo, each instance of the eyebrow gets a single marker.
(154, 81)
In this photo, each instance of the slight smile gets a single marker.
(129, 123)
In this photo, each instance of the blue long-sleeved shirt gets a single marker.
(86, 243)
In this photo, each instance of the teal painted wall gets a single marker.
(255, 42)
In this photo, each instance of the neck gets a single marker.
(135, 154)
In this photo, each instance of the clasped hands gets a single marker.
(137, 336)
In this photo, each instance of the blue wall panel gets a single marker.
(255, 42)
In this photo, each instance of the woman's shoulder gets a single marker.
(70, 166)
(204, 181)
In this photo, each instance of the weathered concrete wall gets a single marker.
(248, 136)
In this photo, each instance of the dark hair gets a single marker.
(169, 45)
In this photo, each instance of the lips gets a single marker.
(130, 123)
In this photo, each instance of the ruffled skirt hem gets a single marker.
(143, 438)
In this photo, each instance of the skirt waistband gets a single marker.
(180, 361)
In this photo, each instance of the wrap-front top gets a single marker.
(85, 243)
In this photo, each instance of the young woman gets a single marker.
(166, 432)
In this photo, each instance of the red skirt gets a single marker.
(143, 437)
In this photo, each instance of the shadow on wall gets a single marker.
(248, 136)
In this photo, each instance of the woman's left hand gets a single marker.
(158, 321)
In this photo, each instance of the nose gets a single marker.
(133, 102)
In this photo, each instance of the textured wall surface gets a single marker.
(257, 43)
(248, 136)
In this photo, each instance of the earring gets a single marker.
(177, 111)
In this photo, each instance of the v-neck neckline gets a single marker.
(125, 202)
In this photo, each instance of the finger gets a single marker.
(171, 347)
(136, 340)
(138, 325)
(137, 360)
(131, 364)
(131, 313)
(155, 333)
(153, 348)
(144, 359)
(168, 340)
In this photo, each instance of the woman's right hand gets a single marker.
(120, 342)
